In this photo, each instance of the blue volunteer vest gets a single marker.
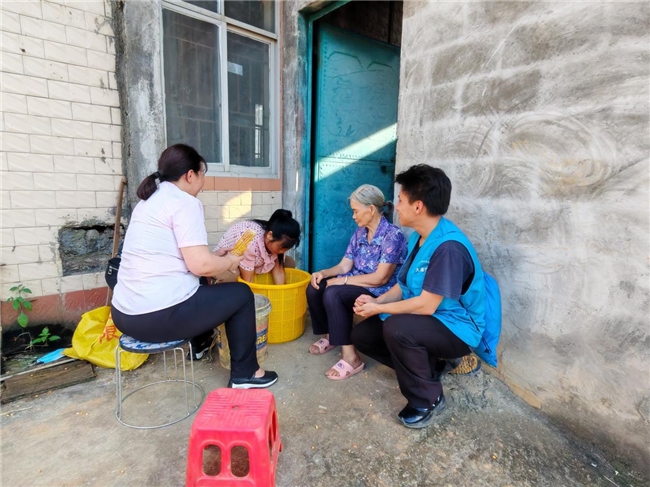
(466, 317)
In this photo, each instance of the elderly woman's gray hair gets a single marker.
(369, 195)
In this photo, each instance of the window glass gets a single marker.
(211, 5)
(248, 101)
(257, 13)
(191, 59)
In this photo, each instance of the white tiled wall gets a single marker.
(223, 208)
(61, 135)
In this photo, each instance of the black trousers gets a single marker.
(412, 345)
(331, 312)
(229, 303)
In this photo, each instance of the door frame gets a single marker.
(307, 158)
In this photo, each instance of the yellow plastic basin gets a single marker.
(288, 303)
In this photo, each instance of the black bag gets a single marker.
(111, 271)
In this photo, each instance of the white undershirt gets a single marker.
(153, 274)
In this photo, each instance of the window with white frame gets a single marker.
(219, 69)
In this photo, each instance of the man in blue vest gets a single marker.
(436, 311)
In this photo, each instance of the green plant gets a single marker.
(20, 303)
(44, 337)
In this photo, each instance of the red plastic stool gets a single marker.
(235, 418)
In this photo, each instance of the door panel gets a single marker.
(357, 85)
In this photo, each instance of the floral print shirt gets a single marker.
(256, 258)
(388, 246)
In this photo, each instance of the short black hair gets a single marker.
(427, 184)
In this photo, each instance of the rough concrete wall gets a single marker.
(293, 63)
(139, 74)
(539, 112)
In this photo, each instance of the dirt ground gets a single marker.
(341, 433)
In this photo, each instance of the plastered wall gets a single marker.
(538, 112)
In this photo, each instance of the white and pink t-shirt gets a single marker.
(256, 258)
(153, 274)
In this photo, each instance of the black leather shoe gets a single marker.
(268, 379)
(421, 417)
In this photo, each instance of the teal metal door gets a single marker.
(355, 118)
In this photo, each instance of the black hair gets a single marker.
(175, 161)
(283, 228)
(427, 184)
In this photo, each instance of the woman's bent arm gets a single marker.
(378, 278)
(201, 262)
(342, 267)
(392, 295)
(392, 303)
(424, 304)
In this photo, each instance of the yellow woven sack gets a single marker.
(96, 339)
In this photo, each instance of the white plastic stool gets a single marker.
(132, 345)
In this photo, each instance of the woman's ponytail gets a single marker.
(175, 161)
(148, 186)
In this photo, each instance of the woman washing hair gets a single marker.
(266, 252)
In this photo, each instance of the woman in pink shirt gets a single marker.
(266, 252)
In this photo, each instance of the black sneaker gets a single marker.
(268, 379)
(200, 346)
(417, 418)
(198, 355)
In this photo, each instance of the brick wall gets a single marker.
(61, 142)
(61, 152)
(223, 208)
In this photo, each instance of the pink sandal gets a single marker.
(345, 370)
(323, 346)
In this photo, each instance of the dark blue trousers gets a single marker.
(330, 309)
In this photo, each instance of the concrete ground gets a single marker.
(334, 433)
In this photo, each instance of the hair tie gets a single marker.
(156, 175)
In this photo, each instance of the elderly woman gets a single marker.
(266, 252)
(375, 252)
(158, 296)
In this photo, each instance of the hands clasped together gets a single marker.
(366, 306)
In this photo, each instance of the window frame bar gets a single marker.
(274, 120)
